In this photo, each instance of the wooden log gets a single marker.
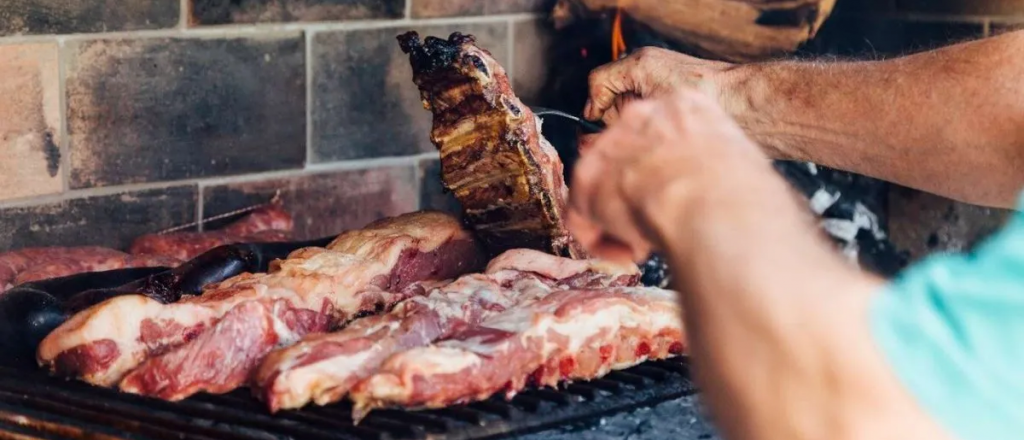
(730, 30)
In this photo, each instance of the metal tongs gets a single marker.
(587, 126)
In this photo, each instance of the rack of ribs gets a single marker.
(567, 335)
(321, 368)
(507, 177)
(232, 324)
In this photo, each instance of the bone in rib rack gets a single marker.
(36, 406)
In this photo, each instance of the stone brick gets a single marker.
(30, 132)
(449, 8)
(531, 51)
(325, 203)
(80, 16)
(207, 12)
(364, 101)
(175, 108)
(109, 220)
(923, 224)
(432, 192)
(963, 7)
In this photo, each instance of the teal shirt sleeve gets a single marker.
(952, 329)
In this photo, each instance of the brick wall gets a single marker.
(124, 117)
(922, 223)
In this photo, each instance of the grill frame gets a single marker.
(34, 405)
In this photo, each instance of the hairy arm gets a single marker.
(948, 121)
(778, 324)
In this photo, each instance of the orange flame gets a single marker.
(618, 43)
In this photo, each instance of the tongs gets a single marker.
(587, 126)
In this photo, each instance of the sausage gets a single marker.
(61, 261)
(26, 316)
(268, 218)
(266, 224)
(31, 311)
(190, 278)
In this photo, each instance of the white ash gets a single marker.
(845, 230)
(867, 220)
(821, 200)
(850, 251)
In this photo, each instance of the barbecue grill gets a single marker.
(34, 405)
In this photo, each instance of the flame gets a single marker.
(618, 43)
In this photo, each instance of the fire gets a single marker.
(618, 43)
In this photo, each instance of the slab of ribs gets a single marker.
(413, 311)
(506, 176)
(232, 324)
(270, 223)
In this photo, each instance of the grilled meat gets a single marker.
(312, 290)
(63, 266)
(507, 177)
(34, 264)
(568, 335)
(322, 368)
(267, 224)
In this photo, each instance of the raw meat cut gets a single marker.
(267, 224)
(34, 264)
(568, 335)
(64, 266)
(507, 177)
(313, 289)
(322, 368)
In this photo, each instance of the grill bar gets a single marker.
(36, 406)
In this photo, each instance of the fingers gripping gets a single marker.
(605, 84)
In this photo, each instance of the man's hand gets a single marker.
(777, 323)
(647, 73)
(661, 160)
(964, 140)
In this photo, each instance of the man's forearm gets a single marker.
(778, 322)
(949, 121)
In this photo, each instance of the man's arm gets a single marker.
(777, 323)
(948, 121)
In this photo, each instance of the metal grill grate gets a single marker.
(36, 406)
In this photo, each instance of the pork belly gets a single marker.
(313, 289)
(322, 368)
(568, 335)
(507, 177)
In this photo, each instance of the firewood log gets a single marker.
(730, 30)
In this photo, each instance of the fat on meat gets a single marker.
(567, 335)
(507, 177)
(312, 290)
(321, 368)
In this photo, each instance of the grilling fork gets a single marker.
(587, 126)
